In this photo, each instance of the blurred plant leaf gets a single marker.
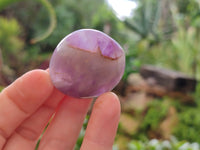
(52, 25)
(50, 10)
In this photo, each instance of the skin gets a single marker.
(27, 105)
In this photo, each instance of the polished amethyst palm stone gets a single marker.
(87, 63)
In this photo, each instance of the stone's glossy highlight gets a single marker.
(87, 63)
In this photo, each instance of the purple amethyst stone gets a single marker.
(87, 63)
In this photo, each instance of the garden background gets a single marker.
(161, 33)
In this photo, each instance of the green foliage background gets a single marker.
(160, 32)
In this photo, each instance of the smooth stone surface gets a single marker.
(86, 73)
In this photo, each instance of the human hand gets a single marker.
(27, 105)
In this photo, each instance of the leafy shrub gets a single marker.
(188, 127)
(12, 48)
(189, 120)
(181, 53)
(10, 42)
(150, 120)
(156, 112)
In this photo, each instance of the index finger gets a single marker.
(21, 99)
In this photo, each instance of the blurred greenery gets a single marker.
(11, 46)
(189, 120)
(4, 4)
(159, 32)
(168, 34)
(156, 112)
(155, 144)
